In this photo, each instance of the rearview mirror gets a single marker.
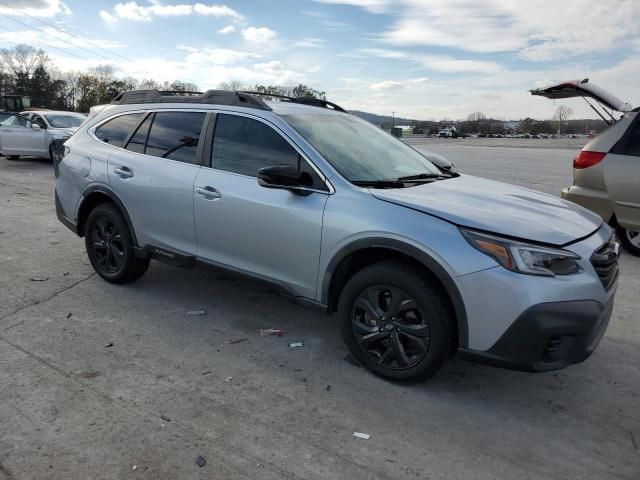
(284, 177)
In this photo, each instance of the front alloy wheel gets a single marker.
(396, 321)
(390, 327)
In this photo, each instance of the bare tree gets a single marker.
(23, 59)
(563, 113)
(233, 85)
(71, 79)
(474, 120)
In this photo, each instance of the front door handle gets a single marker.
(209, 193)
(123, 172)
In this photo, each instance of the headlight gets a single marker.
(523, 257)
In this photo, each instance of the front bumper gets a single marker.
(549, 336)
(597, 201)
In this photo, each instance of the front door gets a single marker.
(21, 136)
(272, 234)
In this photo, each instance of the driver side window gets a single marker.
(243, 145)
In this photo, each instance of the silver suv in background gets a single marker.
(417, 261)
(32, 133)
(606, 173)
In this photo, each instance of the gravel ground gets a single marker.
(99, 381)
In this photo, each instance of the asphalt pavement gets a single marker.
(99, 381)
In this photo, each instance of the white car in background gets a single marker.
(31, 133)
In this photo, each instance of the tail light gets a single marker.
(586, 159)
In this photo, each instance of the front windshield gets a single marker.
(65, 121)
(359, 150)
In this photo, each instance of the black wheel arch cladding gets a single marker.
(425, 260)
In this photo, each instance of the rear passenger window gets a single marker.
(116, 131)
(242, 145)
(175, 135)
(139, 139)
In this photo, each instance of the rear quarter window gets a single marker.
(118, 129)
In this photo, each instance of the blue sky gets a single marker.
(420, 58)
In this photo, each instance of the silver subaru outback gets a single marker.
(418, 261)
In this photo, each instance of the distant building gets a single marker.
(402, 130)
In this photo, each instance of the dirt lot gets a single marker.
(99, 381)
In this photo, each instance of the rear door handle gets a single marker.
(123, 172)
(209, 193)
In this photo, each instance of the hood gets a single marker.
(499, 208)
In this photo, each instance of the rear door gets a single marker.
(269, 233)
(621, 169)
(17, 137)
(154, 174)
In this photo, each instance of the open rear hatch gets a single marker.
(584, 89)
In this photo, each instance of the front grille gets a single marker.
(605, 263)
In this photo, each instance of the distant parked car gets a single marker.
(606, 172)
(31, 133)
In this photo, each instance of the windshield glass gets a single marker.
(65, 121)
(359, 150)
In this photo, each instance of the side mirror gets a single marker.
(35, 126)
(284, 177)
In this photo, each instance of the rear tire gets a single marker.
(395, 322)
(630, 240)
(110, 248)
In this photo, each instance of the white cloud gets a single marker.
(35, 8)
(440, 63)
(543, 30)
(227, 29)
(309, 43)
(216, 56)
(144, 13)
(397, 84)
(216, 11)
(374, 6)
(258, 34)
(107, 17)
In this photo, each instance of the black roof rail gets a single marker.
(314, 102)
(216, 97)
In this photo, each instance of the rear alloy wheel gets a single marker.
(630, 240)
(395, 322)
(110, 248)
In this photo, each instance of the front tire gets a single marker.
(395, 322)
(110, 248)
(630, 240)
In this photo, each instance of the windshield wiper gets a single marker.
(379, 183)
(424, 176)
